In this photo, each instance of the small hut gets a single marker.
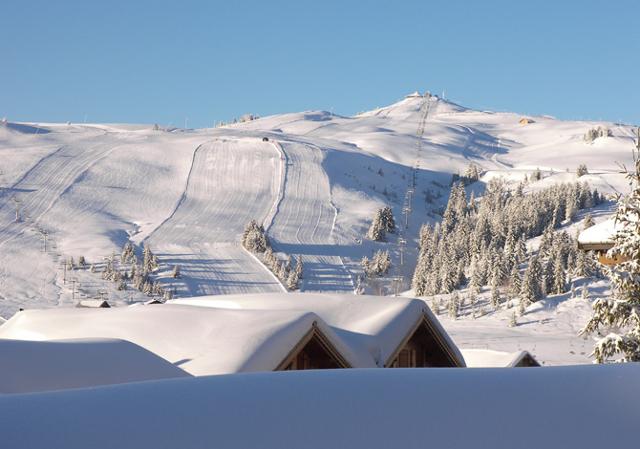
(599, 238)
(94, 304)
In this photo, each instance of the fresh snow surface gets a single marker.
(29, 366)
(315, 185)
(560, 407)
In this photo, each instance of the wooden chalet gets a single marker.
(599, 239)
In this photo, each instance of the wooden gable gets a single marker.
(314, 351)
(422, 347)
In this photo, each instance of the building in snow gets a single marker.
(245, 333)
(526, 121)
(396, 332)
(486, 358)
(93, 304)
(599, 238)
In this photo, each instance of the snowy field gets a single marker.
(86, 190)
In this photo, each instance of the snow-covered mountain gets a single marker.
(313, 179)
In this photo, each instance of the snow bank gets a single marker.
(29, 366)
(563, 407)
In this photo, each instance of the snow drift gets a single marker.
(560, 407)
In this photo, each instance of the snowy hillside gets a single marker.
(313, 180)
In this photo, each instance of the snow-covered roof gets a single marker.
(377, 324)
(29, 366)
(239, 333)
(487, 358)
(200, 340)
(589, 406)
(599, 236)
(93, 303)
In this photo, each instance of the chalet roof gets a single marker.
(30, 366)
(376, 324)
(487, 358)
(94, 303)
(599, 236)
(201, 341)
(240, 333)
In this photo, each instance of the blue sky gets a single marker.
(147, 62)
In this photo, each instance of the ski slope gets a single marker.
(230, 183)
(306, 218)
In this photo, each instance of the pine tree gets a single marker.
(127, 253)
(588, 222)
(620, 314)
(387, 220)
(176, 271)
(531, 285)
(254, 238)
(454, 303)
(377, 231)
(513, 321)
(515, 283)
(559, 277)
(495, 297)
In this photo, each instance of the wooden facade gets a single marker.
(423, 347)
(314, 351)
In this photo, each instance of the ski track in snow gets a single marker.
(44, 183)
(305, 220)
(230, 183)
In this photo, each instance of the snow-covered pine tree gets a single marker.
(377, 231)
(548, 276)
(254, 238)
(381, 262)
(388, 222)
(176, 271)
(531, 290)
(454, 303)
(515, 283)
(582, 170)
(620, 313)
(365, 263)
(495, 297)
(559, 276)
(127, 253)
